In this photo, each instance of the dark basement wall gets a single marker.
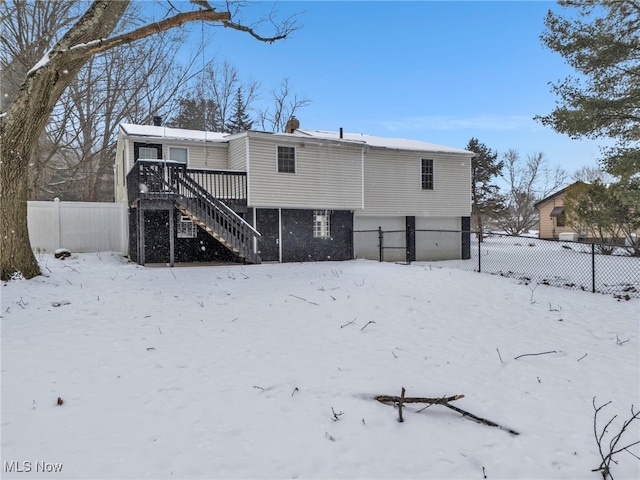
(298, 243)
(203, 248)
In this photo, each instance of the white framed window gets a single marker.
(321, 223)
(148, 153)
(286, 159)
(186, 227)
(178, 154)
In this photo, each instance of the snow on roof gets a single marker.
(358, 138)
(173, 133)
(381, 142)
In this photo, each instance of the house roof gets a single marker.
(559, 192)
(380, 142)
(173, 133)
(357, 138)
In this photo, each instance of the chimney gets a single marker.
(340, 132)
(292, 125)
(157, 121)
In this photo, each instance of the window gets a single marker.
(186, 227)
(178, 154)
(321, 223)
(148, 153)
(558, 214)
(286, 160)
(427, 174)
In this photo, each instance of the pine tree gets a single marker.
(486, 201)
(599, 39)
(240, 120)
(196, 113)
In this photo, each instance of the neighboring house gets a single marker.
(552, 219)
(287, 197)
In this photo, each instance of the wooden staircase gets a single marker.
(216, 218)
(164, 181)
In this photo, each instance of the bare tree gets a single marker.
(528, 182)
(285, 105)
(46, 82)
(28, 30)
(107, 92)
(590, 174)
(210, 106)
(73, 159)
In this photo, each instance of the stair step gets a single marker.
(250, 256)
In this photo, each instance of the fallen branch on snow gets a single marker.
(444, 401)
(533, 354)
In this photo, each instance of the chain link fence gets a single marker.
(593, 267)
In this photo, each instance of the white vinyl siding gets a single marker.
(237, 154)
(393, 185)
(327, 176)
(208, 156)
(201, 156)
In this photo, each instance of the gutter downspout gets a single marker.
(248, 169)
(280, 234)
(362, 176)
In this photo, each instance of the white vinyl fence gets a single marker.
(78, 226)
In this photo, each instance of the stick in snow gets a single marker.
(532, 354)
(444, 401)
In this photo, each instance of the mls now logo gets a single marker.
(26, 467)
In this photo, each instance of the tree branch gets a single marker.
(102, 45)
(250, 31)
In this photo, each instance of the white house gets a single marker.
(293, 196)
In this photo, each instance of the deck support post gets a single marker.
(171, 239)
(141, 234)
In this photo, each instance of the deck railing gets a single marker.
(151, 176)
(202, 193)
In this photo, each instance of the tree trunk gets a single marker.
(25, 120)
(23, 124)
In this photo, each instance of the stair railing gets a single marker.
(220, 217)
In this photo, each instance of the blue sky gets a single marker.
(440, 72)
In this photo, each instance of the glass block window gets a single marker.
(186, 227)
(286, 160)
(427, 174)
(321, 223)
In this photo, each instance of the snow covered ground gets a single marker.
(561, 264)
(270, 371)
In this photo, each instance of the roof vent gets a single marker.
(157, 121)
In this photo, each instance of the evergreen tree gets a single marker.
(196, 113)
(240, 120)
(486, 201)
(599, 39)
